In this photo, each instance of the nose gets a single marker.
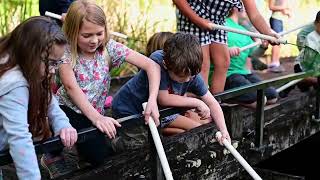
(52, 71)
(94, 40)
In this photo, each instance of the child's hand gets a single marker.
(152, 109)
(234, 51)
(286, 12)
(265, 44)
(225, 135)
(276, 35)
(203, 110)
(63, 16)
(107, 125)
(68, 136)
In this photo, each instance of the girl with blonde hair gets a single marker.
(85, 75)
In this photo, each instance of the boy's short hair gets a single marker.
(317, 18)
(182, 54)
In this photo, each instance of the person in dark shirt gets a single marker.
(54, 6)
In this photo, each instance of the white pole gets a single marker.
(53, 15)
(120, 35)
(294, 29)
(241, 160)
(250, 46)
(248, 33)
(291, 83)
(157, 141)
(281, 34)
(57, 16)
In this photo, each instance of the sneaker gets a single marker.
(276, 69)
(55, 165)
(258, 65)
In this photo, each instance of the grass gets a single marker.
(14, 11)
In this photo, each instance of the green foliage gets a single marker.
(137, 29)
(14, 11)
(139, 19)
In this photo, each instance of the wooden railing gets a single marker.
(54, 143)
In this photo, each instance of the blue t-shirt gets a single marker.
(129, 98)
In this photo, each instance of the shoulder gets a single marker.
(111, 44)
(313, 40)
(157, 56)
(231, 23)
(313, 34)
(306, 30)
(67, 54)
(12, 79)
(200, 87)
(198, 79)
(115, 48)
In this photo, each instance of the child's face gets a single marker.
(179, 78)
(54, 59)
(90, 37)
(317, 27)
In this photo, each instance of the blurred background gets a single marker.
(139, 19)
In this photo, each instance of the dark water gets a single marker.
(302, 160)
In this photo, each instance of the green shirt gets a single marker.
(238, 63)
(301, 36)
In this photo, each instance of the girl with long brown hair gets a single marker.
(28, 55)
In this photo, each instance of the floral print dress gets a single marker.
(93, 75)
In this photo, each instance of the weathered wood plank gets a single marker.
(196, 154)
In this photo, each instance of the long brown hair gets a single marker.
(27, 46)
(78, 11)
(156, 42)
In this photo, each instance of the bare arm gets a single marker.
(172, 100)
(153, 72)
(216, 114)
(166, 99)
(14, 116)
(274, 7)
(258, 21)
(104, 124)
(75, 93)
(187, 11)
(256, 18)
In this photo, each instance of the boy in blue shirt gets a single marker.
(180, 62)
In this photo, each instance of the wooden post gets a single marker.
(317, 116)
(259, 118)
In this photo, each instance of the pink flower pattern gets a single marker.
(93, 75)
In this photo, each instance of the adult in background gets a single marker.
(195, 17)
